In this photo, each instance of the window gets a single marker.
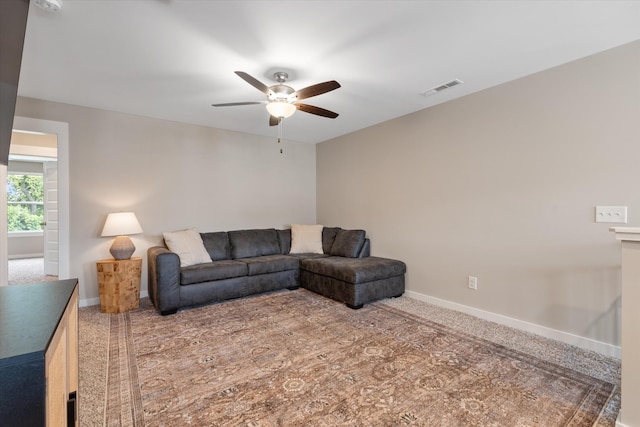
(25, 202)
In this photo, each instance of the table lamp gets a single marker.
(121, 224)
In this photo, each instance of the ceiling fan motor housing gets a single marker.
(282, 93)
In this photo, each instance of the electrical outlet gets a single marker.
(473, 283)
(611, 214)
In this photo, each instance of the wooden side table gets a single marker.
(119, 282)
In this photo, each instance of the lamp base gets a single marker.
(122, 248)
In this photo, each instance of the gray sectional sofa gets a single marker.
(246, 262)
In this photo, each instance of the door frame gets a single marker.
(61, 129)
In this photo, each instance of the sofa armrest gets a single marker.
(164, 279)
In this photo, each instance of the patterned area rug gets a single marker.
(298, 359)
(124, 404)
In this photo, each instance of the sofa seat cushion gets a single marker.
(354, 270)
(210, 271)
(270, 264)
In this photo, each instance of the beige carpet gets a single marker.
(93, 356)
(27, 270)
(296, 358)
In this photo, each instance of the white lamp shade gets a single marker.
(281, 109)
(121, 224)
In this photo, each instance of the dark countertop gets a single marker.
(29, 314)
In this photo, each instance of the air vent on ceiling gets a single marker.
(442, 87)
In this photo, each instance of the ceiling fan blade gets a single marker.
(233, 104)
(273, 121)
(317, 89)
(316, 110)
(253, 82)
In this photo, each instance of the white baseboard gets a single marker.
(96, 301)
(618, 422)
(582, 342)
(89, 301)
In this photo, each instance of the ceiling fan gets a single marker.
(282, 100)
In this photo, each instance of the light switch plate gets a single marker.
(617, 214)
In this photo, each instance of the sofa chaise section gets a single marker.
(353, 281)
(349, 274)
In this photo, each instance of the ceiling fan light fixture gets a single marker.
(281, 109)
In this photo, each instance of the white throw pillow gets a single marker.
(306, 239)
(188, 245)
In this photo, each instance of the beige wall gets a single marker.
(502, 185)
(173, 176)
(25, 246)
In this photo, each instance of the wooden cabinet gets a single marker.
(39, 354)
(119, 284)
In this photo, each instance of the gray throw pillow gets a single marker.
(348, 243)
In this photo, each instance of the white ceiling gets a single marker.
(171, 59)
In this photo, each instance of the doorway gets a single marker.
(32, 208)
(60, 130)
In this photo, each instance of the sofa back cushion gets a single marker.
(328, 237)
(252, 243)
(284, 238)
(366, 249)
(348, 243)
(217, 245)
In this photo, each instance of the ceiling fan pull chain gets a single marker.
(280, 132)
